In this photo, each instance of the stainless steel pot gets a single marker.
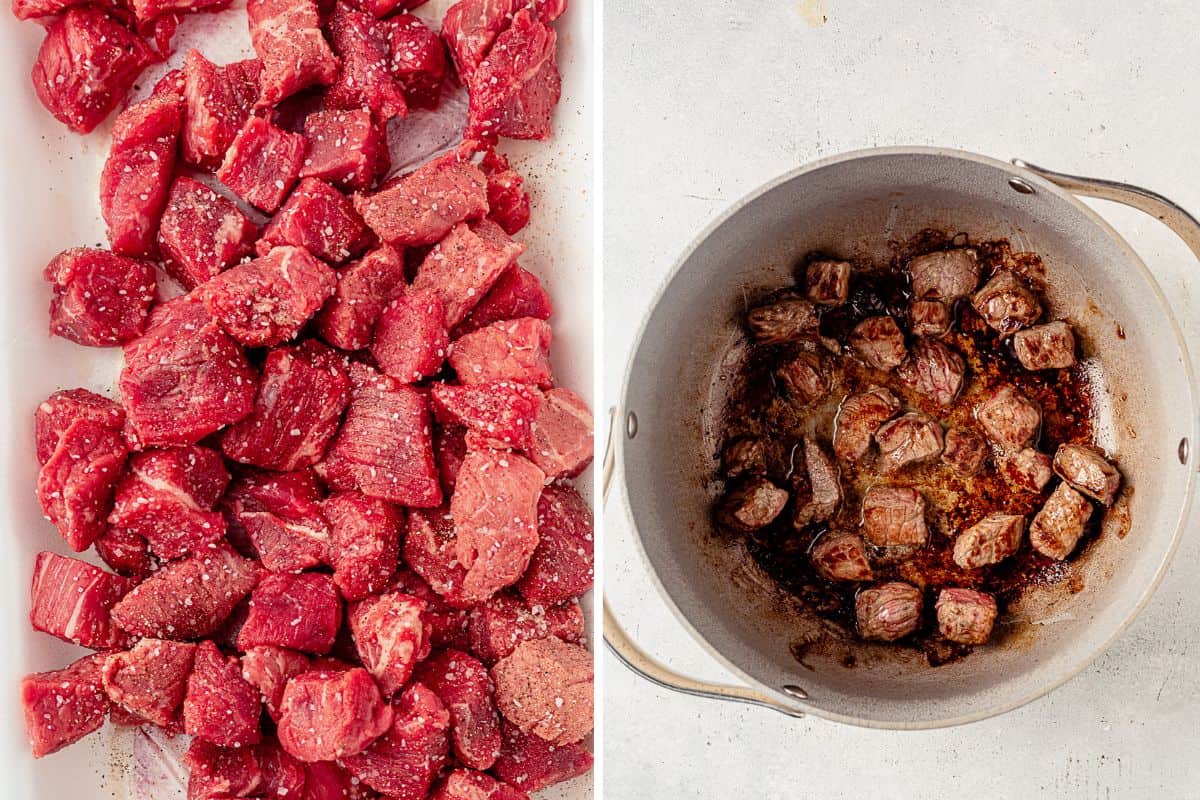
(664, 434)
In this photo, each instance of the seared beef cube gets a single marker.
(989, 541)
(965, 452)
(1007, 304)
(930, 318)
(946, 275)
(934, 370)
(783, 321)
(1057, 527)
(888, 612)
(965, 615)
(841, 557)
(879, 342)
(1027, 469)
(1049, 346)
(825, 480)
(858, 418)
(753, 505)
(827, 283)
(744, 456)
(1086, 469)
(1010, 419)
(894, 516)
(909, 439)
(805, 378)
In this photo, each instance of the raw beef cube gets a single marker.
(168, 498)
(1049, 346)
(841, 557)
(60, 410)
(1007, 304)
(268, 300)
(327, 780)
(147, 10)
(126, 553)
(189, 598)
(462, 267)
(269, 668)
(562, 434)
(71, 599)
(563, 565)
(989, 541)
(465, 784)
(888, 611)
(1010, 418)
(299, 405)
(75, 487)
(320, 219)
(404, 761)
(86, 65)
(448, 626)
(37, 9)
(421, 207)
(137, 173)
(516, 350)
(545, 688)
(879, 342)
(220, 772)
(328, 714)
(365, 81)
(280, 514)
(217, 102)
(287, 37)
(184, 379)
(508, 204)
(366, 542)
(344, 147)
(461, 682)
(894, 516)
(100, 298)
(429, 549)
(516, 293)
(515, 89)
(449, 449)
(63, 706)
(859, 417)
(151, 679)
(503, 622)
(418, 59)
(391, 634)
(1088, 471)
(502, 412)
(381, 8)
(531, 764)
(202, 233)
(411, 340)
(299, 612)
(363, 289)
(385, 446)
(965, 615)
(283, 775)
(911, 438)
(933, 369)
(262, 163)
(220, 706)
(945, 275)
(470, 27)
(1057, 527)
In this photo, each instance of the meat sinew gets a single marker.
(894, 516)
(1049, 346)
(912, 438)
(824, 480)
(965, 452)
(1088, 471)
(784, 320)
(945, 275)
(879, 342)
(1007, 304)
(1056, 529)
(889, 611)
(858, 419)
(1010, 418)
(753, 505)
(965, 615)
(841, 557)
(827, 283)
(933, 369)
(989, 541)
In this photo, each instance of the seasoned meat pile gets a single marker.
(909, 446)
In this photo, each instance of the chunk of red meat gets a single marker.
(462, 683)
(502, 412)
(220, 706)
(465, 784)
(60, 410)
(531, 763)
(287, 37)
(300, 612)
(202, 233)
(462, 267)
(151, 679)
(71, 599)
(391, 634)
(366, 542)
(429, 549)
(362, 43)
(421, 207)
(328, 714)
(126, 553)
(267, 301)
(515, 89)
(545, 687)
(363, 289)
(37, 9)
(516, 293)
(184, 379)
(219, 772)
(410, 338)
(507, 202)
(562, 434)
(63, 706)
(447, 624)
(470, 27)
(515, 350)
(299, 406)
(449, 449)
(385, 446)
(404, 761)
(86, 65)
(100, 298)
(503, 622)
(563, 565)
(269, 668)
(280, 514)
(418, 60)
(327, 780)
(283, 775)
(320, 219)
(217, 102)
(189, 598)
(75, 487)
(262, 163)
(841, 557)
(345, 147)
(148, 10)
(989, 541)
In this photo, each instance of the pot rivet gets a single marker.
(1020, 186)
(795, 691)
(631, 425)
(1184, 448)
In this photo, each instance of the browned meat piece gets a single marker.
(753, 505)
(841, 557)
(888, 612)
(1006, 303)
(1027, 469)
(1049, 346)
(909, 439)
(965, 615)
(1057, 527)
(934, 370)
(744, 456)
(879, 342)
(1088, 471)
(965, 452)
(989, 541)
(827, 282)
(1010, 419)
(858, 418)
(930, 318)
(894, 517)
(825, 480)
(946, 275)
(785, 320)
(805, 378)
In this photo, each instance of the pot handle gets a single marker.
(642, 663)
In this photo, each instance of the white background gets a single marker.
(704, 101)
